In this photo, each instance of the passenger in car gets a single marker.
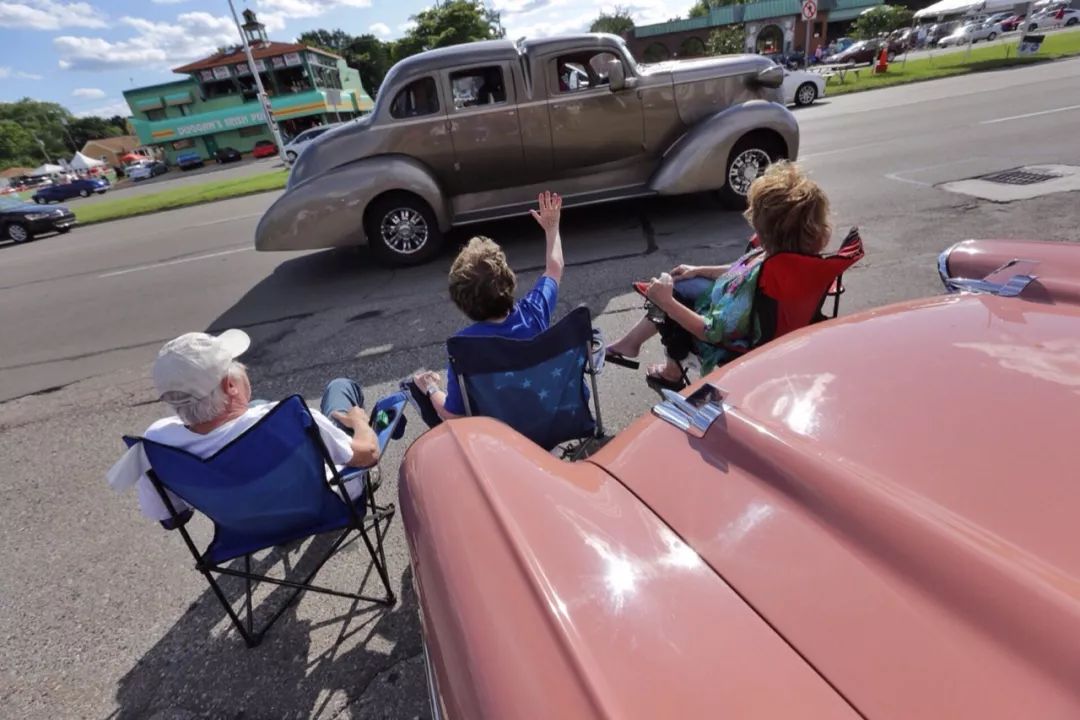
(710, 307)
(482, 286)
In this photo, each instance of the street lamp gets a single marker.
(263, 99)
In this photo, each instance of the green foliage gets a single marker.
(36, 121)
(617, 23)
(727, 40)
(701, 7)
(448, 23)
(882, 19)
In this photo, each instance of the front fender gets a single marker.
(698, 160)
(328, 210)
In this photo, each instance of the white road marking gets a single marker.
(178, 261)
(377, 350)
(1031, 114)
(896, 175)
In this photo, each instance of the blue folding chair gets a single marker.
(535, 386)
(269, 487)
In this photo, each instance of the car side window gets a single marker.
(477, 86)
(583, 70)
(416, 99)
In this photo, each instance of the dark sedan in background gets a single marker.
(21, 221)
(227, 155)
(77, 188)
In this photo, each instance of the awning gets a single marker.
(182, 98)
(82, 162)
(46, 169)
(960, 7)
(149, 104)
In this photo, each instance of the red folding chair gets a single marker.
(794, 290)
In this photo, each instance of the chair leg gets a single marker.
(250, 639)
(378, 559)
(247, 582)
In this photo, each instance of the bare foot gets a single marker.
(665, 371)
(624, 349)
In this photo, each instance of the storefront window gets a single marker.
(253, 131)
(221, 88)
(156, 114)
(183, 144)
(293, 80)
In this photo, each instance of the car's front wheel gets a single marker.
(748, 159)
(84, 193)
(38, 200)
(18, 233)
(402, 230)
(1071, 21)
(806, 94)
(991, 36)
(291, 155)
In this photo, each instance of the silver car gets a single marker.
(472, 133)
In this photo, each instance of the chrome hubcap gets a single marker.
(404, 230)
(806, 95)
(17, 233)
(746, 168)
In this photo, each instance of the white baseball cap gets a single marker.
(194, 363)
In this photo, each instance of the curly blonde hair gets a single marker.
(789, 211)
(481, 281)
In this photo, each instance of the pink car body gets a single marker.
(880, 521)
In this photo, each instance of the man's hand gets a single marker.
(660, 290)
(428, 381)
(550, 211)
(354, 418)
(683, 272)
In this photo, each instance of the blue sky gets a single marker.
(83, 53)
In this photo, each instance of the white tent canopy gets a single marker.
(46, 169)
(956, 7)
(83, 162)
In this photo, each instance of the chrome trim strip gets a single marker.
(694, 421)
(943, 265)
(1011, 288)
(433, 691)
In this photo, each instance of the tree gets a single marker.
(41, 120)
(336, 41)
(449, 23)
(701, 7)
(881, 19)
(619, 22)
(17, 146)
(726, 40)
(91, 128)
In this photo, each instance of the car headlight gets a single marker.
(37, 216)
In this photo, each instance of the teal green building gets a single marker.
(216, 104)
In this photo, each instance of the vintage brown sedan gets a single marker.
(471, 133)
(873, 517)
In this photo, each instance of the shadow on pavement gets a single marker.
(201, 667)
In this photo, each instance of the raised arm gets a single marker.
(548, 218)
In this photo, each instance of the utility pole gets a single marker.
(41, 144)
(263, 99)
(64, 124)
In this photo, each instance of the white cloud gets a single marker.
(168, 2)
(191, 36)
(88, 93)
(406, 26)
(107, 110)
(380, 29)
(6, 72)
(308, 8)
(49, 14)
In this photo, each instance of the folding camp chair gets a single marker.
(535, 386)
(269, 487)
(794, 290)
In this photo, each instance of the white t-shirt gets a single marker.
(132, 467)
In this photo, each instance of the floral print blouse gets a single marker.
(730, 328)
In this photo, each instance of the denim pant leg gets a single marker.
(341, 394)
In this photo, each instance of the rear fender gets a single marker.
(698, 160)
(328, 210)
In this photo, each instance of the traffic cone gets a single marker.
(882, 61)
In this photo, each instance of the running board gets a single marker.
(579, 200)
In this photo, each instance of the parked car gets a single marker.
(21, 221)
(227, 155)
(84, 187)
(940, 30)
(294, 147)
(970, 33)
(147, 170)
(264, 148)
(189, 159)
(1011, 23)
(802, 87)
(753, 545)
(466, 134)
(864, 51)
(1054, 19)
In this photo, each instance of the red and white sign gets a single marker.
(809, 9)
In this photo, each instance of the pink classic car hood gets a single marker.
(897, 493)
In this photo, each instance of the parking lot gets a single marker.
(103, 615)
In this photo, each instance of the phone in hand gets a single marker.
(641, 287)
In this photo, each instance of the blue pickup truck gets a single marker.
(189, 159)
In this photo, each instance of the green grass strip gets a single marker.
(178, 197)
(961, 62)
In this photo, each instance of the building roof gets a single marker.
(237, 55)
(121, 143)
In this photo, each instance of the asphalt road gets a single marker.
(100, 612)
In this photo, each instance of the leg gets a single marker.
(629, 345)
(341, 394)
